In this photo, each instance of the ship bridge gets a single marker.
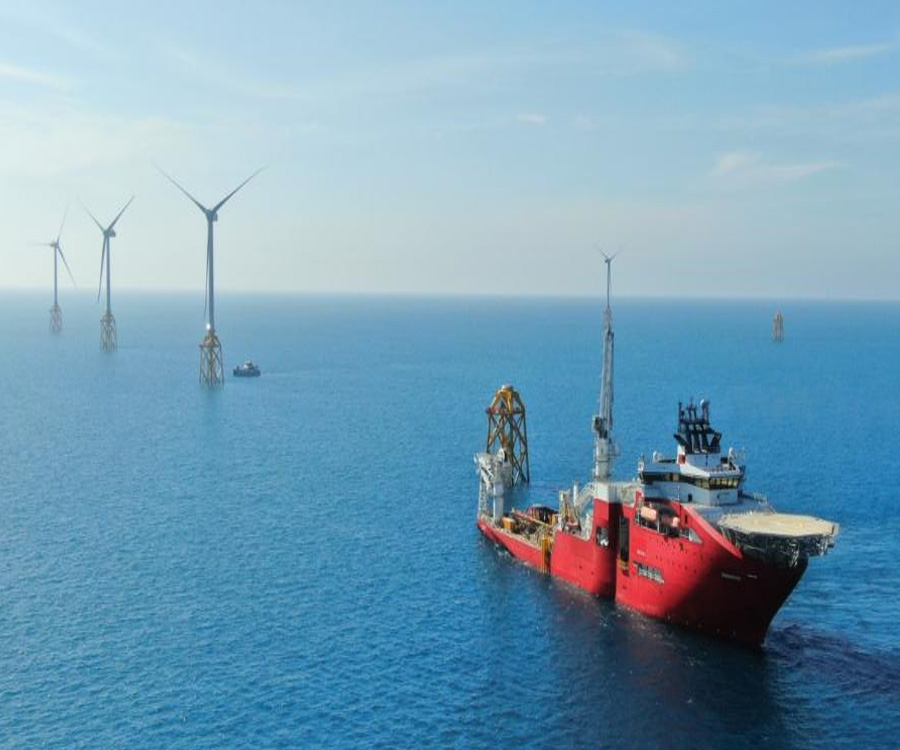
(698, 473)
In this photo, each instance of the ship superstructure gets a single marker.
(683, 541)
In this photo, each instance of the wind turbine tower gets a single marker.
(55, 311)
(108, 338)
(212, 369)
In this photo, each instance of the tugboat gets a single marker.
(246, 370)
(683, 542)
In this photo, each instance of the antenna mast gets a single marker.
(605, 448)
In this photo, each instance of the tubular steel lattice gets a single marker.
(778, 328)
(507, 429)
(212, 371)
(55, 319)
(108, 339)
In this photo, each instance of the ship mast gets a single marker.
(605, 449)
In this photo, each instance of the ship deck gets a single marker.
(784, 525)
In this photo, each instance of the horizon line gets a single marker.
(526, 295)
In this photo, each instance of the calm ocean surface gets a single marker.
(293, 561)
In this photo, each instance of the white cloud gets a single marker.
(33, 77)
(836, 55)
(532, 118)
(746, 168)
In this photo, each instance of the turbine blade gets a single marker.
(99, 225)
(62, 255)
(227, 197)
(62, 224)
(197, 203)
(119, 215)
(102, 258)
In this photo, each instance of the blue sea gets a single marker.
(292, 561)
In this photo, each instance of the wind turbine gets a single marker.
(212, 371)
(55, 311)
(608, 259)
(108, 339)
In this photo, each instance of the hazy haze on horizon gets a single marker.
(465, 149)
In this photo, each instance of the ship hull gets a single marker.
(701, 582)
(518, 547)
(708, 585)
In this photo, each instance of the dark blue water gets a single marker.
(293, 561)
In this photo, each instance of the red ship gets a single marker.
(683, 542)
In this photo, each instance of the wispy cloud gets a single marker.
(644, 52)
(836, 55)
(53, 22)
(55, 141)
(613, 53)
(385, 80)
(583, 122)
(856, 120)
(743, 168)
(205, 69)
(532, 118)
(19, 74)
(733, 162)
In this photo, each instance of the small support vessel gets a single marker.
(246, 370)
(683, 542)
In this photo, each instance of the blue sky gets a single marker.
(743, 150)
